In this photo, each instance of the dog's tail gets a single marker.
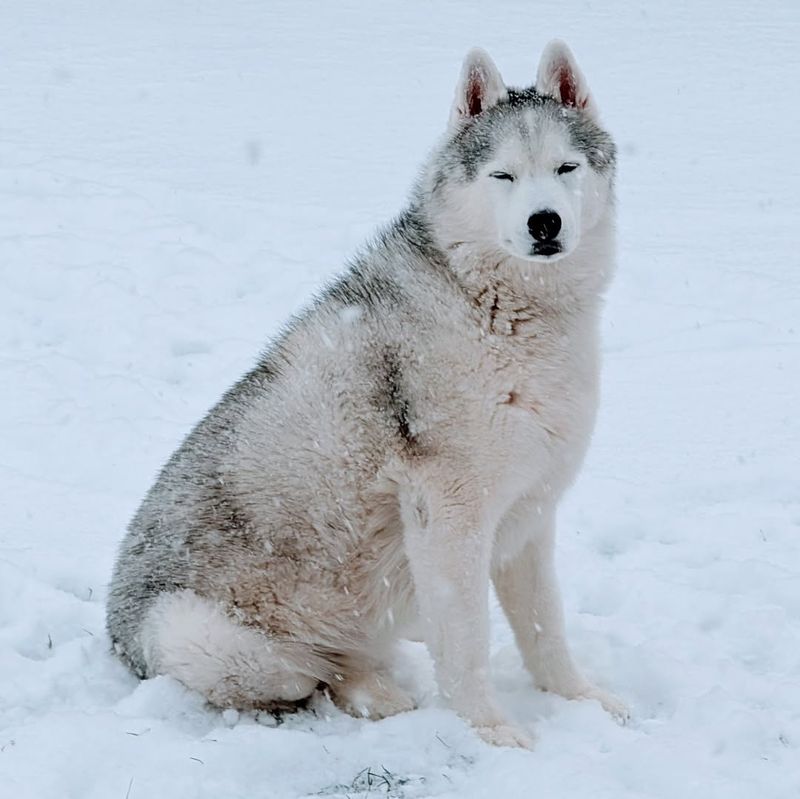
(195, 641)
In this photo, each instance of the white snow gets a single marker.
(176, 178)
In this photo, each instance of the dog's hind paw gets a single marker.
(373, 696)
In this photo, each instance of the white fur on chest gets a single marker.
(541, 411)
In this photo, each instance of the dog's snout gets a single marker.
(544, 225)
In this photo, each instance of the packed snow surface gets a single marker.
(176, 178)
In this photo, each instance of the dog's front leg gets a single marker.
(527, 587)
(449, 551)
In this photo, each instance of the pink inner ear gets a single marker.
(568, 88)
(474, 96)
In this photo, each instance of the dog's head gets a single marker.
(525, 171)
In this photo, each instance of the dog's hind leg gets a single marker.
(192, 639)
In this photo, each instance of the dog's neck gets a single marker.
(516, 288)
(517, 299)
(571, 285)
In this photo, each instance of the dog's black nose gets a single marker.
(544, 226)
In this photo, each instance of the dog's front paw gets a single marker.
(581, 689)
(505, 735)
(610, 703)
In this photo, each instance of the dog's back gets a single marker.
(285, 469)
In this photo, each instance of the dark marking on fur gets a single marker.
(221, 512)
(398, 404)
(493, 312)
(592, 141)
(392, 400)
(513, 399)
(421, 512)
(501, 314)
(367, 290)
(522, 98)
(267, 369)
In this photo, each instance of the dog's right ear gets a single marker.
(479, 87)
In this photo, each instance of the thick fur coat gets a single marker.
(405, 440)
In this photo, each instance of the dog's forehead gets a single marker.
(534, 138)
(547, 130)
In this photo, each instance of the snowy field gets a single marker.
(176, 178)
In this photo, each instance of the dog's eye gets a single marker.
(569, 166)
(502, 176)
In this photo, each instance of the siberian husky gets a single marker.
(405, 440)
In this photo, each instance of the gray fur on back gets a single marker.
(237, 501)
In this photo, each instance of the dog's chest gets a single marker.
(540, 399)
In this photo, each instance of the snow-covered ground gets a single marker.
(178, 177)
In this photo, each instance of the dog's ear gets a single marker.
(479, 87)
(560, 77)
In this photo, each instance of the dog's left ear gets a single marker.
(560, 76)
(479, 87)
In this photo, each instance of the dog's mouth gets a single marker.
(546, 248)
(539, 252)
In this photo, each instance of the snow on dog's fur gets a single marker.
(403, 442)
